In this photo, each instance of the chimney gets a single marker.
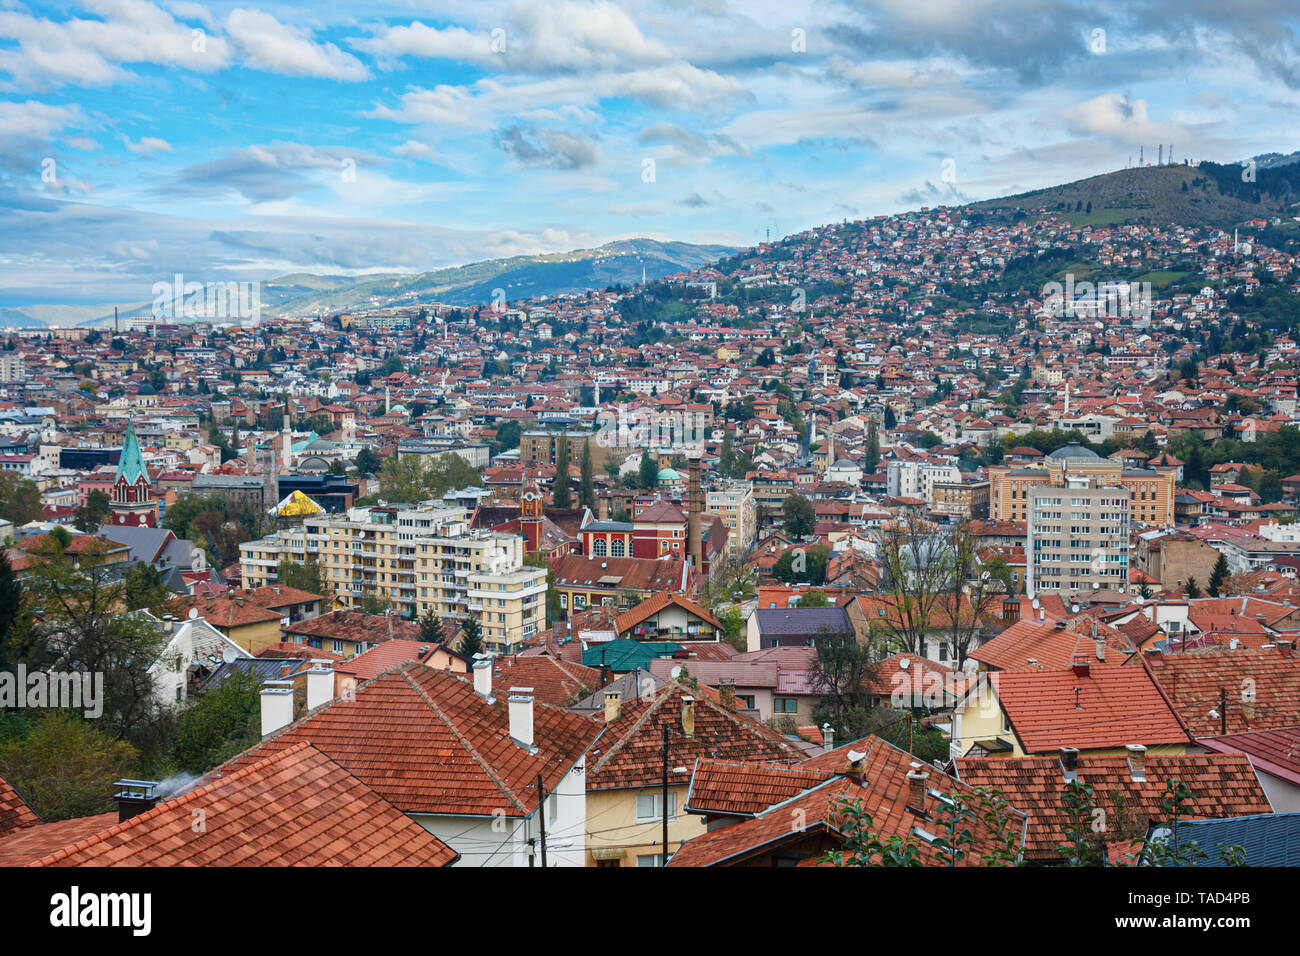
(1070, 763)
(277, 706)
(1010, 611)
(613, 705)
(1080, 665)
(857, 768)
(285, 671)
(483, 678)
(688, 717)
(521, 716)
(1060, 625)
(134, 797)
(916, 781)
(1285, 647)
(1101, 648)
(828, 737)
(727, 690)
(320, 683)
(1137, 762)
(694, 509)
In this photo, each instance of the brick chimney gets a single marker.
(695, 508)
(1010, 611)
(613, 705)
(857, 767)
(727, 691)
(916, 784)
(688, 717)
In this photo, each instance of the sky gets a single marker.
(140, 139)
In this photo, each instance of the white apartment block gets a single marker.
(417, 559)
(1077, 538)
(916, 479)
(733, 501)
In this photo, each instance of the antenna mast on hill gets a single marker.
(1140, 154)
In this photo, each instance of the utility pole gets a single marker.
(541, 816)
(1223, 711)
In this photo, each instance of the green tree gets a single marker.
(1219, 577)
(587, 485)
(20, 499)
(471, 641)
(799, 517)
(368, 461)
(1191, 588)
(145, 589)
(871, 459)
(13, 623)
(431, 627)
(306, 576)
(220, 723)
(95, 512)
(64, 766)
(648, 475)
(561, 492)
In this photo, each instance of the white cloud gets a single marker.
(267, 44)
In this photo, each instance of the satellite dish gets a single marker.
(194, 612)
(855, 756)
(1037, 604)
(229, 655)
(904, 663)
(676, 672)
(1074, 609)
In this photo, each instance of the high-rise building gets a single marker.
(1152, 490)
(1076, 539)
(417, 560)
(733, 501)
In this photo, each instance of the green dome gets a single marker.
(670, 474)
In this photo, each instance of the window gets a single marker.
(649, 806)
(654, 859)
(338, 647)
(785, 705)
(598, 547)
(616, 548)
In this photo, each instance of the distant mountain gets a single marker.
(1211, 194)
(520, 277)
(18, 319)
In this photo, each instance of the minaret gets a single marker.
(1066, 413)
(286, 442)
(388, 399)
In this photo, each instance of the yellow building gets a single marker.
(1153, 490)
(734, 502)
(625, 805)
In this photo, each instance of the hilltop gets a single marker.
(1211, 194)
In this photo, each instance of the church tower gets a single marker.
(133, 503)
(530, 518)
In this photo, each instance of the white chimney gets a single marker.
(320, 683)
(828, 737)
(277, 706)
(521, 715)
(483, 678)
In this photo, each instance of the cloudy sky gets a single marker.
(139, 139)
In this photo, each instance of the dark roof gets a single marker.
(1269, 839)
(1074, 452)
(802, 621)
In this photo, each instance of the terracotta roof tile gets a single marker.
(14, 811)
(294, 807)
(1262, 687)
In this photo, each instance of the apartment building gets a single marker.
(965, 500)
(916, 479)
(1152, 490)
(733, 501)
(417, 559)
(1077, 538)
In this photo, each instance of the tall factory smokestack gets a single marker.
(696, 506)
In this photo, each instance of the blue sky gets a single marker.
(139, 139)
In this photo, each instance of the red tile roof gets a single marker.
(21, 847)
(14, 811)
(427, 743)
(554, 681)
(295, 807)
(656, 603)
(883, 795)
(1276, 752)
(383, 657)
(1221, 785)
(1194, 680)
(1050, 646)
(632, 745)
(1113, 707)
(736, 788)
